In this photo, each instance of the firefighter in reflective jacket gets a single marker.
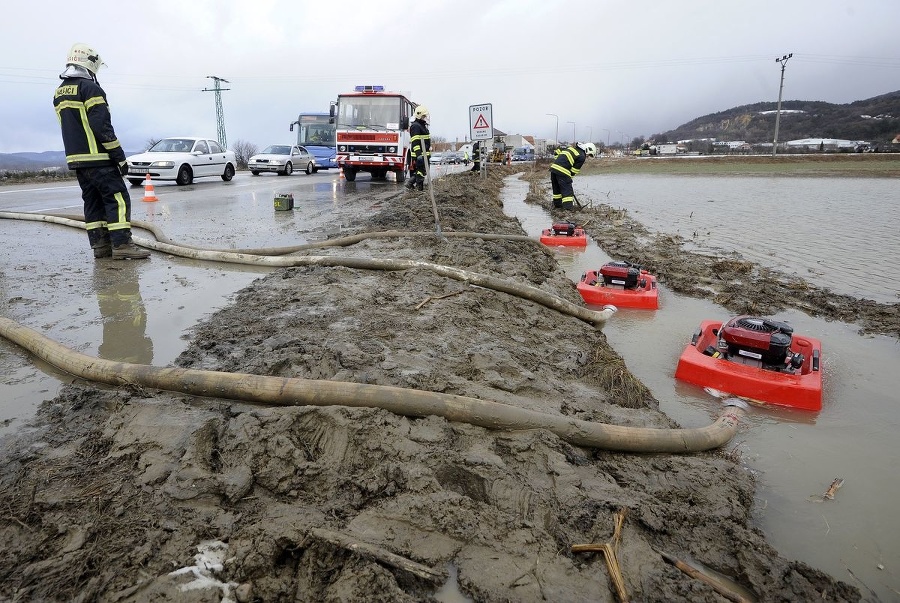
(568, 163)
(94, 153)
(419, 147)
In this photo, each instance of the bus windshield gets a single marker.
(369, 111)
(315, 130)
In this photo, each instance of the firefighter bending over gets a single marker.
(420, 146)
(568, 163)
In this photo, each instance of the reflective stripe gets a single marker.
(94, 101)
(561, 170)
(94, 157)
(93, 153)
(121, 222)
(95, 225)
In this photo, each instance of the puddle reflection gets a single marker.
(123, 313)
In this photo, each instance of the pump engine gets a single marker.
(759, 342)
(623, 274)
(564, 228)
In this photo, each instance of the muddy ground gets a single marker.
(110, 494)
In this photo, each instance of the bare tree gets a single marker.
(150, 142)
(439, 143)
(243, 151)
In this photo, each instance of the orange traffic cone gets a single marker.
(149, 193)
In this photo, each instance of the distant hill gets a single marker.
(876, 120)
(33, 162)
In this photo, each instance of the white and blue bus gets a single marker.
(316, 134)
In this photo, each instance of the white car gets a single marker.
(283, 159)
(182, 159)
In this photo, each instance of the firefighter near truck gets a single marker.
(372, 132)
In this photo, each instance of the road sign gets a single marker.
(481, 121)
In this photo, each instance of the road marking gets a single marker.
(31, 190)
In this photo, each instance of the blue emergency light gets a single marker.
(369, 88)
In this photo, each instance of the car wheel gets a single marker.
(255, 173)
(309, 168)
(229, 173)
(185, 175)
(135, 181)
(288, 169)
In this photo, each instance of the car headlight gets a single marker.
(276, 162)
(163, 164)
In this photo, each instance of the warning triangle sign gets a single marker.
(480, 123)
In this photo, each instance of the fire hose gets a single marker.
(286, 391)
(535, 294)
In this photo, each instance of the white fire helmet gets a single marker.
(85, 56)
(421, 113)
(588, 148)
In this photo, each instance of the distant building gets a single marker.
(824, 144)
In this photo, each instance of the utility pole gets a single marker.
(783, 60)
(607, 136)
(557, 128)
(220, 114)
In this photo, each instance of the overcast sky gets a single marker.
(616, 69)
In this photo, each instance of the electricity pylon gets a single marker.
(220, 114)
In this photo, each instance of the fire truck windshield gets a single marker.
(381, 112)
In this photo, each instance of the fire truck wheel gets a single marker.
(349, 174)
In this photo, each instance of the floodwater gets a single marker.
(836, 233)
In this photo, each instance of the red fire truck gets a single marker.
(372, 132)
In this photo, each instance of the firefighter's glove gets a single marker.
(123, 168)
